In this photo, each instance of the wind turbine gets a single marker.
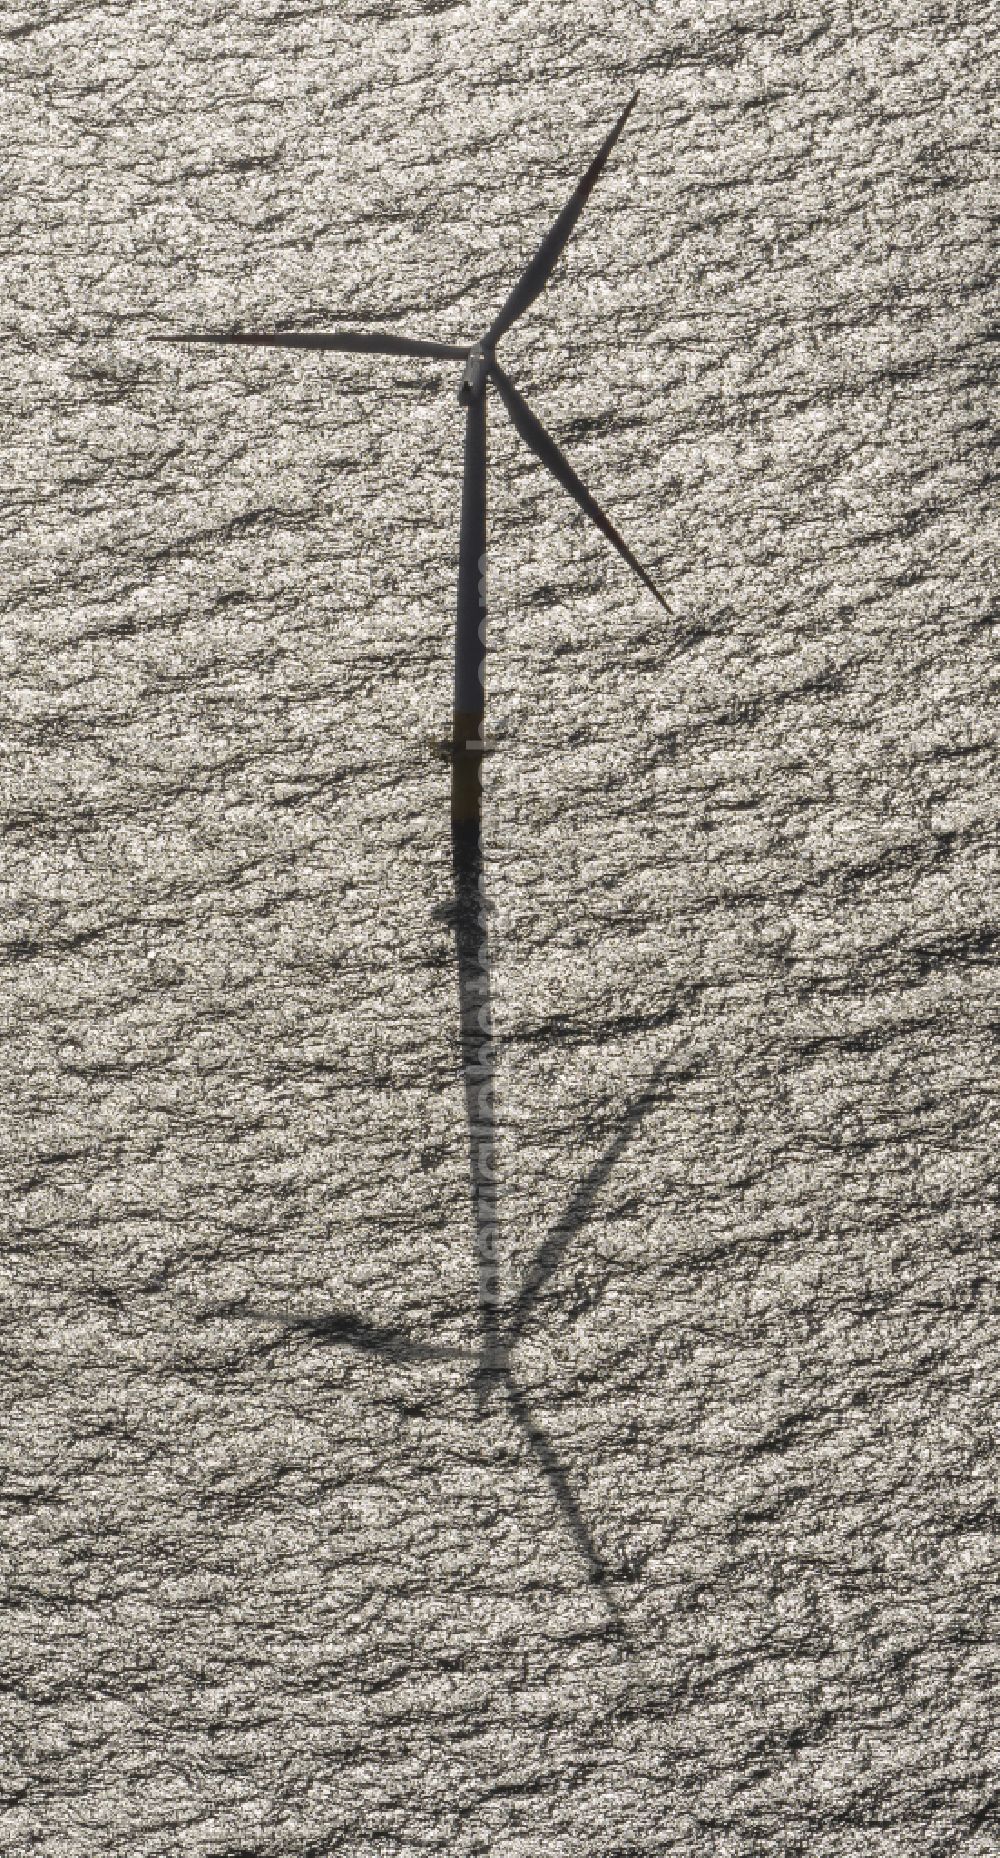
(499, 1335)
(481, 370)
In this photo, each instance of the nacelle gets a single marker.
(474, 378)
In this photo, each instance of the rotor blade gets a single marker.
(343, 341)
(536, 275)
(545, 448)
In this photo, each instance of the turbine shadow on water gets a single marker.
(491, 1359)
(494, 1369)
(498, 1336)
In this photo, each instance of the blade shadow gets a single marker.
(559, 1485)
(553, 1248)
(338, 1328)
